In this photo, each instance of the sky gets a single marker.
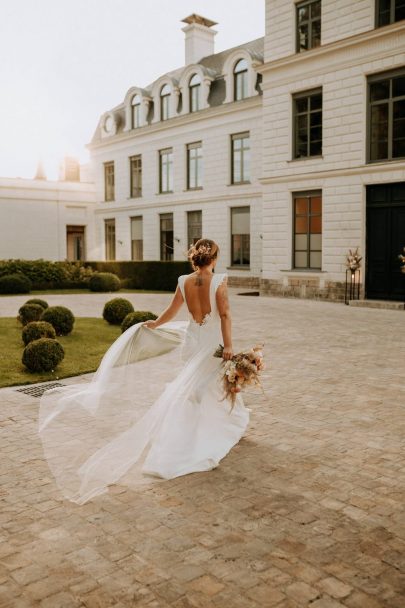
(65, 62)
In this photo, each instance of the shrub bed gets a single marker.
(138, 316)
(29, 312)
(42, 355)
(60, 317)
(104, 281)
(14, 283)
(116, 310)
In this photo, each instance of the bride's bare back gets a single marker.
(197, 295)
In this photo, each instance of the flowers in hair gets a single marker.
(242, 370)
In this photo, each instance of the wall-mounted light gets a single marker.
(261, 236)
(177, 239)
(121, 242)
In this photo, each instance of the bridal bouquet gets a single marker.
(242, 370)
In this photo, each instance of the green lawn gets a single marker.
(84, 348)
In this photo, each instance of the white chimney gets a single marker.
(199, 38)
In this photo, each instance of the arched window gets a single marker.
(136, 112)
(195, 93)
(240, 80)
(165, 102)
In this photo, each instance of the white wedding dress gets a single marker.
(143, 417)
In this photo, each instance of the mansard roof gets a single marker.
(213, 64)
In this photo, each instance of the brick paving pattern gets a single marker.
(306, 511)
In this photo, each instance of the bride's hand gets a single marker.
(227, 353)
(150, 324)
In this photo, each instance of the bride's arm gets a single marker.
(226, 322)
(170, 312)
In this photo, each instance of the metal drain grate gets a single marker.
(38, 391)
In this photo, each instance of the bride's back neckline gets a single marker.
(198, 298)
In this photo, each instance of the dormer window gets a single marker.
(240, 79)
(135, 112)
(195, 93)
(165, 102)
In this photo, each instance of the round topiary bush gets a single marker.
(137, 317)
(60, 317)
(30, 312)
(43, 355)
(104, 281)
(36, 330)
(15, 283)
(38, 301)
(116, 310)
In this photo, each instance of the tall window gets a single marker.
(194, 227)
(166, 236)
(390, 11)
(165, 102)
(137, 238)
(308, 230)
(308, 124)
(240, 159)
(195, 93)
(109, 194)
(136, 176)
(109, 235)
(240, 234)
(308, 25)
(136, 112)
(240, 80)
(386, 129)
(166, 170)
(194, 166)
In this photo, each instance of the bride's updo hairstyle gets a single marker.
(202, 253)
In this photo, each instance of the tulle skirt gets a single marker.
(145, 416)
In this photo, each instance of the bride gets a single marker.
(124, 425)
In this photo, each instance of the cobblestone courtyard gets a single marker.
(306, 511)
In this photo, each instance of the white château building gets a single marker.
(288, 150)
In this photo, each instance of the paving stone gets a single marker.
(307, 510)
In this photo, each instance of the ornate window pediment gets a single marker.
(195, 83)
(240, 75)
(136, 104)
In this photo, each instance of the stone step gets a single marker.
(389, 304)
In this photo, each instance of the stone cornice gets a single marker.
(111, 208)
(178, 121)
(321, 56)
(330, 173)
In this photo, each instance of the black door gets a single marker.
(385, 240)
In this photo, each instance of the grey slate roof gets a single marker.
(214, 62)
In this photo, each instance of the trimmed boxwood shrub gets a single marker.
(36, 330)
(104, 281)
(60, 317)
(45, 274)
(38, 301)
(137, 317)
(30, 312)
(116, 310)
(42, 355)
(14, 283)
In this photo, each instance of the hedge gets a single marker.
(156, 276)
(151, 275)
(45, 274)
(14, 283)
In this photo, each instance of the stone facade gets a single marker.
(352, 48)
(37, 214)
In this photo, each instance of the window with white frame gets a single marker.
(165, 102)
(137, 238)
(136, 112)
(195, 93)
(240, 80)
(240, 236)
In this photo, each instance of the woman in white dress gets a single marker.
(124, 426)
